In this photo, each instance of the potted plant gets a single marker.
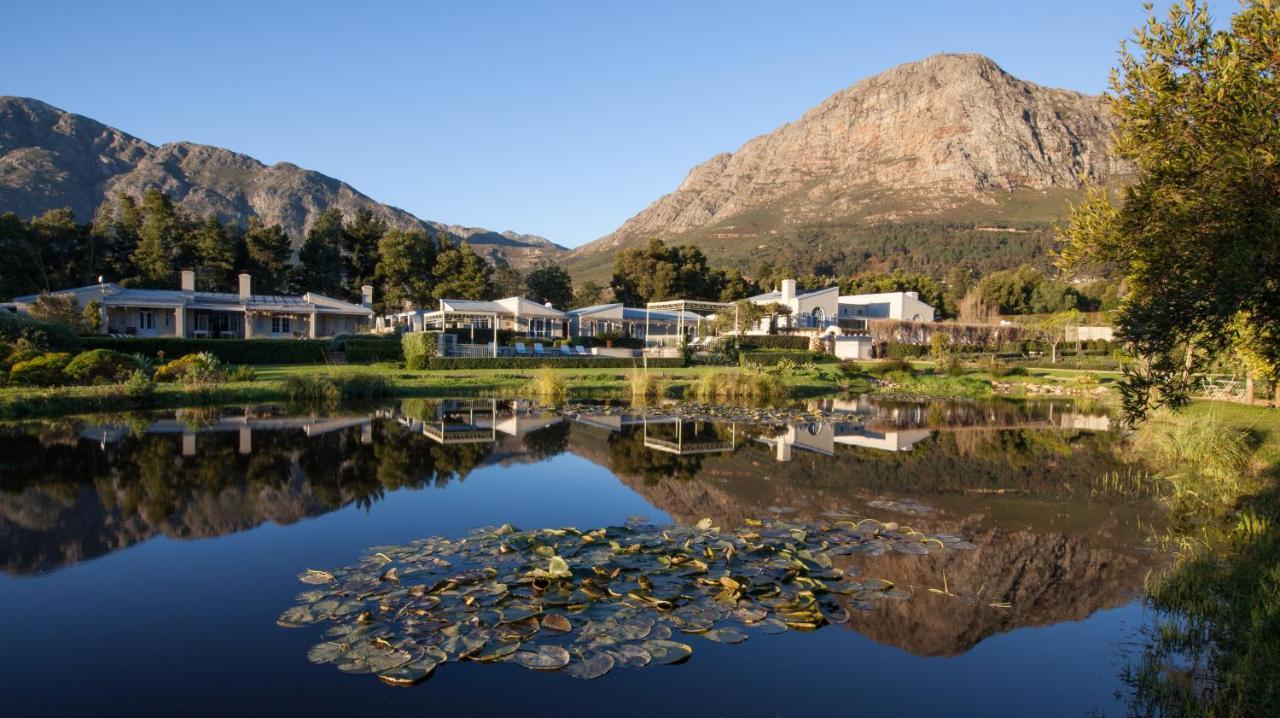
(609, 336)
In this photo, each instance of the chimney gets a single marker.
(246, 286)
(366, 295)
(188, 281)
(788, 290)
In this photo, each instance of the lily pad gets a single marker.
(554, 623)
(667, 652)
(594, 667)
(728, 634)
(546, 658)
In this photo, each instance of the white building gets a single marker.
(902, 306)
(815, 310)
(187, 312)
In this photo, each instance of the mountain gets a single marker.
(50, 159)
(952, 142)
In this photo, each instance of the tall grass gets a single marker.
(643, 386)
(327, 390)
(1204, 459)
(548, 385)
(739, 387)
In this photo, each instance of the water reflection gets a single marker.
(1020, 480)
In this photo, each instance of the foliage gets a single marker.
(139, 386)
(59, 309)
(1197, 236)
(418, 348)
(43, 370)
(461, 274)
(772, 358)
(404, 270)
(588, 294)
(575, 362)
(229, 351)
(268, 249)
(906, 351)
(550, 283)
(1026, 290)
(311, 389)
(319, 267)
(774, 341)
(548, 384)
(242, 373)
(363, 349)
(657, 272)
(20, 331)
(739, 387)
(100, 365)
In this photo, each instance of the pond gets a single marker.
(147, 557)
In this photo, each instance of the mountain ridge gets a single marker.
(51, 158)
(953, 134)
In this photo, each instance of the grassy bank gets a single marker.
(281, 383)
(1216, 648)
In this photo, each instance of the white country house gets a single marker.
(189, 313)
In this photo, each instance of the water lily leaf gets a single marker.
(554, 623)
(377, 660)
(667, 652)
(297, 617)
(410, 673)
(313, 576)
(728, 634)
(772, 625)
(594, 667)
(546, 658)
(327, 652)
(493, 651)
(629, 655)
(748, 614)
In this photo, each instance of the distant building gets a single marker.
(628, 321)
(186, 312)
(814, 310)
(521, 315)
(902, 306)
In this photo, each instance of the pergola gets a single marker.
(444, 318)
(691, 306)
(694, 445)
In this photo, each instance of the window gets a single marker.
(818, 316)
(146, 320)
(279, 325)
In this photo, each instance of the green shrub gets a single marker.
(244, 372)
(44, 370)
(364, 386)
(138, 386)
(228, 351)
(775, 341)
(548, 384)
(176, 369)
(555, 362)
(889, 366)
(100, 366)
(311, 389)
(19, 329)
(366, 349)
(906, 351)
(773, 358)
(18, 355)
(418, 348)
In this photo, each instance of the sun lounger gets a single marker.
(566, 350)
(538, 350)
(520, 350)
(581, 351)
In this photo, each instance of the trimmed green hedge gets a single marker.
(553, 362)
(773, 357)
(775, 341)
(906, 351)
(418, 348)
(228, 351)
(374, 349)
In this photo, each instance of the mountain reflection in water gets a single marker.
(1020, 480)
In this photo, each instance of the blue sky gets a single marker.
(554, 118)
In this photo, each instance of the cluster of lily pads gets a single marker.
(590, 601)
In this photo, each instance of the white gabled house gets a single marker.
(186, 312)
(812, 311)
(902, 306)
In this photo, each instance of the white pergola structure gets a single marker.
(447, 318)
(680, 446)
(681, 307)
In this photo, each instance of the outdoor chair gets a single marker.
(565, 350)
(520, 350)
(581, 351)
(538, 350)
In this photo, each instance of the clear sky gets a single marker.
(554, 118)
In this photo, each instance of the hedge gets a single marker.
(772, 358)
(555, 363)
(775, 341)
(228, 351)
(905, 351)
(418, 347)
(373, 349)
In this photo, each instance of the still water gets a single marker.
(145, 558)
